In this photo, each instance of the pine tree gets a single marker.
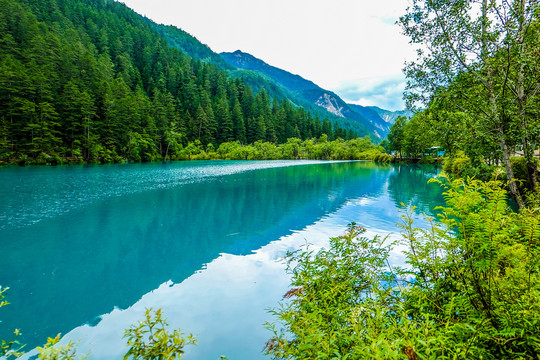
(224, 121)
(238, 123)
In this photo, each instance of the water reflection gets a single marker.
(67, 270)
(407, 184)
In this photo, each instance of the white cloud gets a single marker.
(326, 42)
(384, 92)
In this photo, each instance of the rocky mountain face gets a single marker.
(390, 116)
(377, 121)
(282, 84)
(242, 60)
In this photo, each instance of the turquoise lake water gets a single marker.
(86, 249)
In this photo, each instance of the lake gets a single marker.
(86, 249)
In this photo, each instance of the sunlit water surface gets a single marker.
(85, 250)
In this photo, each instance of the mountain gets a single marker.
(391, 116)
(283, 85)
(284, 89)
(373, 117)
(374, 120)
(189, 45)
(93, 81)
(242, 60)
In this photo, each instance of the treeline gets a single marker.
(293, 149)
(92, 81)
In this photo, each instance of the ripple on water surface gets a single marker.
(202, 240)
(32, 194)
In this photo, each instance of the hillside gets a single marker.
(189, 45)
(304, 90)
(93, 81)
(246, 61)
(279, 84)
(374, 117)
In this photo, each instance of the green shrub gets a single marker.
(382, 158)
(519, 165)
(482, 172)
(460, 164)
(448, 162)
(11, 348)
(52, 351)
(427, 160)
(150, 339)
(470, 288)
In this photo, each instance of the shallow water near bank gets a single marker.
(86, 249)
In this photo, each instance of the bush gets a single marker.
(11, 348)
(483, 171)
(427, 160)
(382, 158)
(460, 164)
(470, 289)
(148, 340)
(447, 164)
(519, 165)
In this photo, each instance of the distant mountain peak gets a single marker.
(374, 120)
(390, 116)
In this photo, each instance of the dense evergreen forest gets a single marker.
(92, 81)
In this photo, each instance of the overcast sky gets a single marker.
(351, 47)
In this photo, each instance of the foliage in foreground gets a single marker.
(12, 347)
(470, 288)
(52, 351)
(148, 340)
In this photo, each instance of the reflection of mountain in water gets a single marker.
(67, 270)
(408, 185)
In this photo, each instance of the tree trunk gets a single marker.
(521, 98)
(512, 186)
(494, 110)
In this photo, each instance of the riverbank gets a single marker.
(293, 149)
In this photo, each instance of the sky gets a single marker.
(351, 47)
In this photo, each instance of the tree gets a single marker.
(238, 123)
(224, 121)
(469, 291)
(327, 129)
(396, 135)
(494, 44)
(260, 128)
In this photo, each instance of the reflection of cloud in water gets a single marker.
(118, 251)
(113, 252)
(225, 305)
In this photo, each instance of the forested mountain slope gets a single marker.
(94, 81)
(311, 95)
(278, 83)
